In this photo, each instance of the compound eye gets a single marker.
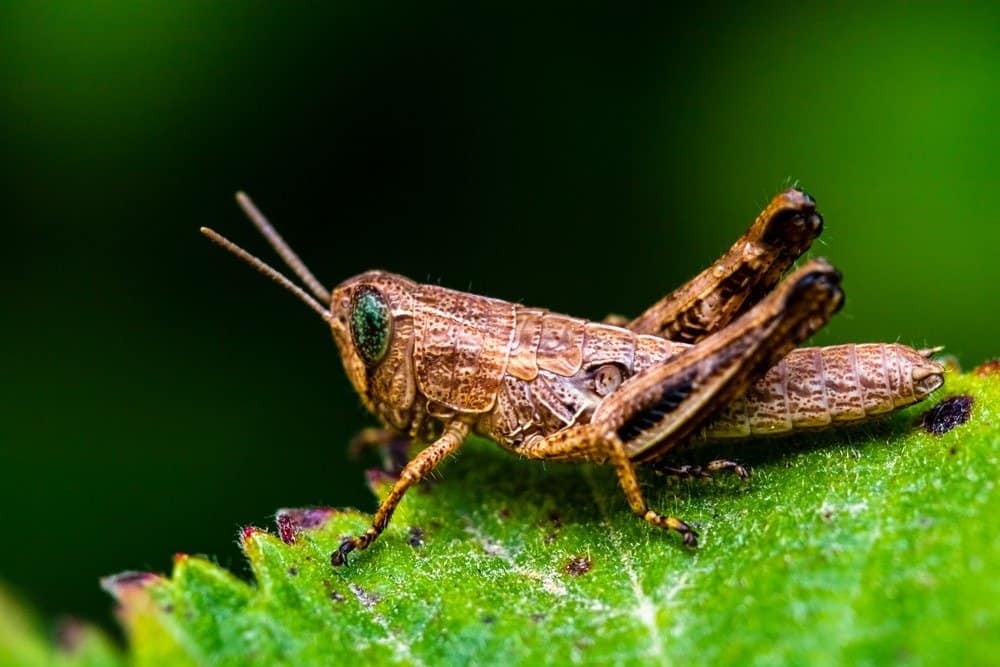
(371, 324)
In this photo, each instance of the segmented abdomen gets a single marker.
(823, 386)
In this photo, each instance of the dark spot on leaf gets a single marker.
(578, 566)
(336, 597)
(947, 414)
(489, 619)
(504, 513)
(989, 367)
(293, 571)
(286, 528)
(550, 538)
(556, 520)
(953, 450)
(538, 618)
(416, 537)
(167, 609)
(367, 599)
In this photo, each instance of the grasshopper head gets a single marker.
(371, 317)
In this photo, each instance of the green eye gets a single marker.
(371, 324)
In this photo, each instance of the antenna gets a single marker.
(268, 271)
(274, 238)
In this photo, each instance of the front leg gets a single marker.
(662, 406)
(741, 277)
(428, 459)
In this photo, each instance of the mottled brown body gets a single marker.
(521, 373)
(713, 360)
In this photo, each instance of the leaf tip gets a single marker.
(248, 532)
(125, 584)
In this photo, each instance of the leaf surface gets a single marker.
(869, 545)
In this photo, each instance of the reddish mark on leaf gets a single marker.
(578, 566)
(180, 557)
(248, 532)
(303, 518)
(131, 580)
(286, 528)
(70, 634)
(947, 414)
(989, 367)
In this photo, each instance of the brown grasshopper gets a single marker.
(715, 359)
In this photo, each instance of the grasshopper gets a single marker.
(715, 359)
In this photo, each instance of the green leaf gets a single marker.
(24, 642)
(865, 546)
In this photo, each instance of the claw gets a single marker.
(339, 557)
(732, 466)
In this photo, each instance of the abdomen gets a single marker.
(818, 387)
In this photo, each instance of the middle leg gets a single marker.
(662, 406)
(588, 442)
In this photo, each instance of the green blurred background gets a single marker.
(157, 395)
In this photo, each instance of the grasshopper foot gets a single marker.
(734, 467)
(339, 557)
(688, 534)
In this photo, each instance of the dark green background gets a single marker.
(157, 395)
